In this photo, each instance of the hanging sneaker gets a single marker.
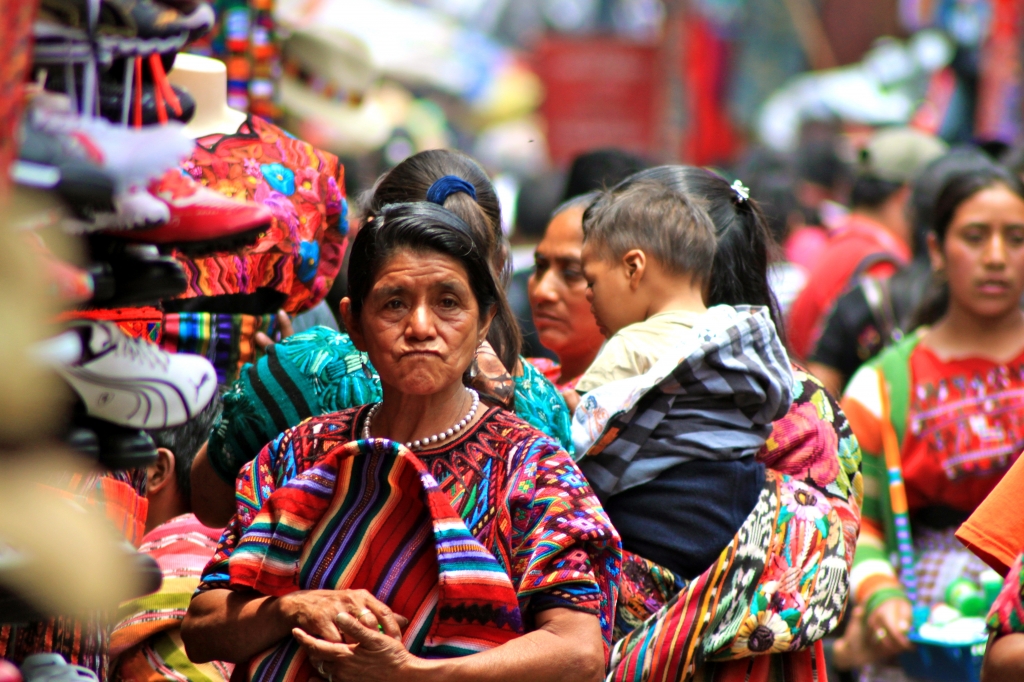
(153, 20)
(112, 94)
(66, 283)
(197, 16)
(118, 447)
(202, 220)
(44, 163)
(131, 156)
(134, 208)
(132, 383)
(83, 441)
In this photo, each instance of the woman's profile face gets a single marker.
(983, 253)
(420, 323)
(558, 290)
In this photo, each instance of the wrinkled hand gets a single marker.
(316, 612)
(373, 656)
(284, 330)
(887, 629)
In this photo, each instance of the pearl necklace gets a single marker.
(437, 437)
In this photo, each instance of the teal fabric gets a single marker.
(319, 371)
(539, 404)
(306, 375)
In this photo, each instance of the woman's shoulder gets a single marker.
(533, 459)
(325, 429)
(539, 403)
(896, 358)
(515, 431)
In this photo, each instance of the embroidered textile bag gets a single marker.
(782, 584)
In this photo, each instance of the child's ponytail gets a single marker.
(744, 243)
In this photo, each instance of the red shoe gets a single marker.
(202, 221)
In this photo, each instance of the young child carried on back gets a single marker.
(646, 258)
(681, 398)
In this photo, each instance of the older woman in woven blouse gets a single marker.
(422, 296)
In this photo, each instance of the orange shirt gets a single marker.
(995, 531)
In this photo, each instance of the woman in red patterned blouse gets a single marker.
(422, 297)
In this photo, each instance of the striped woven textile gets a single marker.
(143, 322)
(146, 641)
(759, 612)
(370, 516)
(227, 341)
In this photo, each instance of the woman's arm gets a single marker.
(874, 581)
(565, 647)
(225, 625)
(213, 499)
(1004, 660)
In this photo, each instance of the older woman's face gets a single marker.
(420, 323)
(558, 291)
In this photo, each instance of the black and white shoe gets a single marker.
(132, 383)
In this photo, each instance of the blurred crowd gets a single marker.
(294, 390)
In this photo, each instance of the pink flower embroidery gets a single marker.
(803, 445)
(804, 502)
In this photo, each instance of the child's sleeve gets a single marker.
(618, 359)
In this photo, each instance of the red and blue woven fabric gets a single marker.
(300, 255)
(467, 541)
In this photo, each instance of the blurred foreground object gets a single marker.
(42, 529)
(29, 393)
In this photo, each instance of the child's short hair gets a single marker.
(663, 223)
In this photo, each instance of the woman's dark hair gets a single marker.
(600, 169)
(961, 183)
(924, 191)
(410, 181)
(771, 179)
(739, 273)
(961, 186)
(424, 226)
(871, 192)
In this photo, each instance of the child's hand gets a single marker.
(572, 399)
(284, 327)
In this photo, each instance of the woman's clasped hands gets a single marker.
(365, 654)
(349, 634)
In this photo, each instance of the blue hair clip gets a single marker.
(446, 186)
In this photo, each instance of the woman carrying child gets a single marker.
(776, 567)
(939, 415)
